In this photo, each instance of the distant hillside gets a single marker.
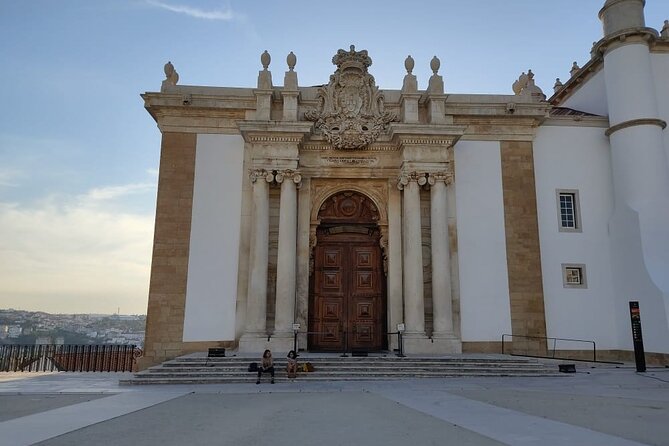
(30, 327)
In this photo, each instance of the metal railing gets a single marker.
(68, 358)
(538, 348)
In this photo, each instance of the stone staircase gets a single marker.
(195, 369)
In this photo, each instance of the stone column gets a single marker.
(286, 264)
(414, 312)
(257, 298)
(442, 311)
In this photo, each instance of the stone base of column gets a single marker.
(251, 342)
(280, 344)
(421, 344)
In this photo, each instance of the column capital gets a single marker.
(423, 178)
(256, 174)
(288, 174)
(407, 177)
(436, 177)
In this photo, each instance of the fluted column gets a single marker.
(285, 274)
(442, 311)
(414, 312)
(256, 304)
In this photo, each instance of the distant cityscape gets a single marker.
(35, 327)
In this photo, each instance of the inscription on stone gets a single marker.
(350, 161)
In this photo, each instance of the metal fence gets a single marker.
(69, 358)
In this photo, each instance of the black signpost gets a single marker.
(637, 338)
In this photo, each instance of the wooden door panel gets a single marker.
(348, 304)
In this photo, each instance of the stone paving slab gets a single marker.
(32, 429)
(323, 419)
(15, 406)
(636, 419)
(538, 416)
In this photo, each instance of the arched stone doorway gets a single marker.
(347, 298)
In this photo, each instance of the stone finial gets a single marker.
(265, 76)
(526, 87)
(574, 69)
(291, 60)
(265, 59)
(519, 84)
(410, 84)
(435, 63)
(558, 85)
(290, 79)
(171, 76)
(436, 82)
(409, 64)
(664, 33)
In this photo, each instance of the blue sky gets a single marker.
(79, 155)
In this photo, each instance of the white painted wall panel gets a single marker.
(660, 64)
(576, 158)
(590, 97)
(484, 285)
(214, 242)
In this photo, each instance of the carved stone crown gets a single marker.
(350, 111)
(352, 59)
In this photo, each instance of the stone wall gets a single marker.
(522, 246)
(169, 268)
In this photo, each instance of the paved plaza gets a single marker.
(603, 405)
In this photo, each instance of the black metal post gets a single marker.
(400, 345)
(637, 337)
(343, 354)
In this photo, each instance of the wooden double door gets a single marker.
(347, 299)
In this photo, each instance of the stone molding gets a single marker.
(424, 178)
(630, 36)
(257, 174)
(289, 175)
(636, 122)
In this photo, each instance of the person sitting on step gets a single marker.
(291, 366)
(266, 366)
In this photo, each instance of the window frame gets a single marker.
(581, 268)
(578, 227)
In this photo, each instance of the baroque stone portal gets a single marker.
(350, 112)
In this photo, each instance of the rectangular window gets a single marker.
(573, 275)
(569, 214)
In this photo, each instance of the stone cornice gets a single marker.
(274, 132)
(636, 122)
(445, 135)
(586, 72)
(649, 36)
(624, 37)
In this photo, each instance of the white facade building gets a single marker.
(461, 218)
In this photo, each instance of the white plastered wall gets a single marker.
(660, 65)
(211, 291)
(590, 97)
(484, 285)
(576, 158)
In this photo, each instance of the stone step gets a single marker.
(404, 368)
(202, 370)
(265, 380)
(351, 374)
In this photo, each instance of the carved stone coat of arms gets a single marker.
(350, 111)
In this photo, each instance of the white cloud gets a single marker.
(226, 14)
(112, 192)
(77, 256)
